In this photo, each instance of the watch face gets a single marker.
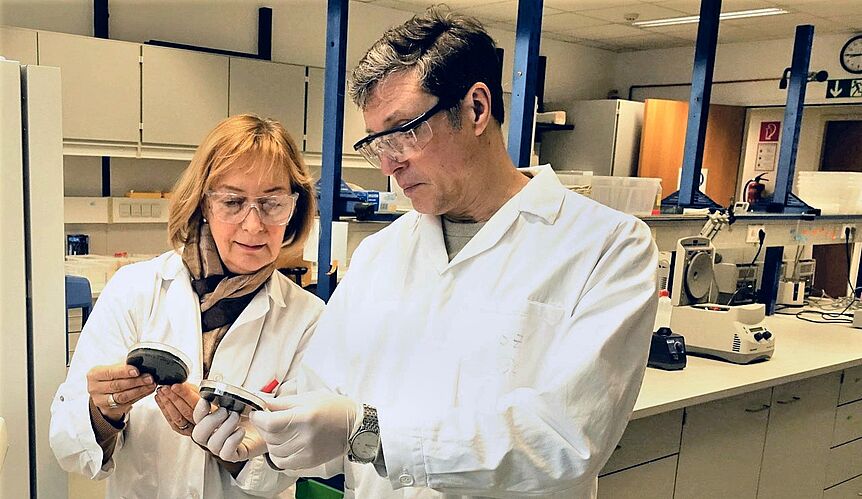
(364, 445)
(851, 55)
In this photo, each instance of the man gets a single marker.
(490, 343)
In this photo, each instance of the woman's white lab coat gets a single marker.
(154, 301)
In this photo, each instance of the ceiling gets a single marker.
(603, 24)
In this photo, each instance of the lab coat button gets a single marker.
(406, 479)
(194, 494)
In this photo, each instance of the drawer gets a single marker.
(647, 481)
(847, 490)
(848, 423)
(851, 385)
(645, 440)
(845, 462)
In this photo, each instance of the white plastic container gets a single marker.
(633, 195)
(833, 193)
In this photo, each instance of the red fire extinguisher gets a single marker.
(754, 188)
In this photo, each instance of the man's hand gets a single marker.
(308, 430)
(220, 432)
(177, 403)
(115, 388)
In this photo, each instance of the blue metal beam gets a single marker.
(333, 133)
(698, 106)
(792, 117)
(527, 39)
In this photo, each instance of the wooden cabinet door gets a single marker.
(101, 82)
(663, 142)
(722, 445)
(185, 94)
(269, 90)
(798, 438)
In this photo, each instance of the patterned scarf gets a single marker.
(223, 295)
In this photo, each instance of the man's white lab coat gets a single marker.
(154, 301)
(510, 371)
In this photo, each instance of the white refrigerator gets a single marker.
(32, 294)
(606, 138)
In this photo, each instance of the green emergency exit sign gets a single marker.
(838, 89)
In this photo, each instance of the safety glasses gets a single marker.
(402, 142)
(232, 208)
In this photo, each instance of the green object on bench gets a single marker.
(310, 489)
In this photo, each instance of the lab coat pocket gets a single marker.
(502, 348)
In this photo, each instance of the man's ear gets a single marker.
(479, 100)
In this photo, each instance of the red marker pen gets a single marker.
(270, 387)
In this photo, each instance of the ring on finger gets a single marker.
(111, 402)
(185, 426)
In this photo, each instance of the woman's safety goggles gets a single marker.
(232, 208)
(402, 142)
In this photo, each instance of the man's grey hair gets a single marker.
(447, 52)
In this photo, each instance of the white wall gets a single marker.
(734, 61)
(810, 149)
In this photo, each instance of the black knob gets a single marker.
(677, 345)
(758, 336)
(767, 335)
(664, 331)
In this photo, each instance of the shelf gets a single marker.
(553, 127)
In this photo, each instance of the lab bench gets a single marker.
(790, 427)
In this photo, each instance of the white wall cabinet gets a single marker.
(270, 90)
(648, 481)
(722, 446)
(798, 438)
(354, 123)
(18, 45)
(184, 95)
(101, 86)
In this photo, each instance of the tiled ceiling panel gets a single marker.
(604, 24)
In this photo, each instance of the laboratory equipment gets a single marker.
(800, 270)
(857, 319)
(667, 350)
(735, 333)
(736, 282)
(166, 364)
(233, 398)
(791, 293)
(77, 244)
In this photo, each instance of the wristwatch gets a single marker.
(365, 440)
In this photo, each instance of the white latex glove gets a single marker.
(308, 430)
(223, 435)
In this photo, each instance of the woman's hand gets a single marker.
(115, 388)
(177, 403)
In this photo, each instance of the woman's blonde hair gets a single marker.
(265, 143)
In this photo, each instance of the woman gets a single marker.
(245, 198)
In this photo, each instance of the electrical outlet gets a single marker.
(844, 228)
(753, 234)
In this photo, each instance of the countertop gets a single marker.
(802, 350)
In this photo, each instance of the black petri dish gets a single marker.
(232, 398)
(163, 362)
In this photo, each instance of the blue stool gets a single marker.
(78, 295)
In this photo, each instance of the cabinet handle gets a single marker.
(760, 409)
(792, 400)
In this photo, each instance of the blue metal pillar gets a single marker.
(783, 200)
(527, 39)
(689, 195)
(333, 130)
